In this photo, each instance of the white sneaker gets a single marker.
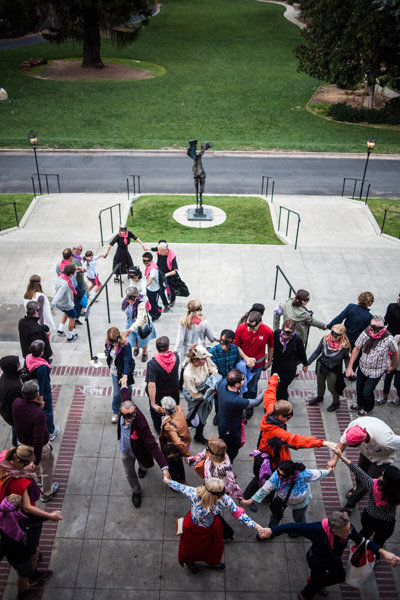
(394, 402)
(55, 433)
(380, 401)
(114, 419)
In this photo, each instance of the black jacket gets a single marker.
(10, 386)
(30, 330)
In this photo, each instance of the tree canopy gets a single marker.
(351, 42)
(85, 20)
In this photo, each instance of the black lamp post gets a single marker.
(370, 147)
(33, 140)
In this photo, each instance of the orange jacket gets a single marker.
(274, 439)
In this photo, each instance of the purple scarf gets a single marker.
(288, 481)
(284, 340)
(9, 517)
(265, 469)
(78, 258)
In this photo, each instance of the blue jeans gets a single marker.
(252, 386)
(154, 311)
(365, 387)
(116, 401)
(299, 516)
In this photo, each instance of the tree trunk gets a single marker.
(91, 38)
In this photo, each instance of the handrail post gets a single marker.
(276, 280)
(287, 223)
(47, 183)
(119, 210)
(138, 184)
(101, 230)
(384, 219)
(272, 191)
(108, 305)
(16, 215)
(112, 224)
(297, 233)
(34, 188)
(262, 184)
(354, 189)
(266, 192)
(134, 185)
(279, 220)
(344, 183)
(120, 280)
(58, 183)
(127, 186)
(367, 196)
(89, 338)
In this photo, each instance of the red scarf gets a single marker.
(152, 265)
(33, 362)
(125, 236)
(68, 280)
(63, 264)
(378, 494)
(166, 360)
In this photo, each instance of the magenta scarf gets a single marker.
(33, 362)
(68, 280)
(329, 533)
(124, 236)
(378, 494)
(149, 268)
(166, 360)
(170, 257)
(288, 481)
(9, 517)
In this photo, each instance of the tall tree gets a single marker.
(350, 42)
(85, 20)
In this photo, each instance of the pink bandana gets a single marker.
(170, 257)
(329, 533)
(67, 279)
(166, 360)
(152, 265)
(125, 236)
(376, 336)
(33, 362)
(378, 495)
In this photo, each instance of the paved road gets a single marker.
(171, 172)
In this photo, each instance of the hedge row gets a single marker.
(389, 114)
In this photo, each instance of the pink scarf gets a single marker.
(68, 280)
(166, 360)
(152, 265)
(125, 236)
(170, 257)
(329, 533)
(33, 362)
(377, 336)
(333, 344)
(378, 494)
(195, 320)
(63, 264)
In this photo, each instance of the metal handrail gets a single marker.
(116, 269)
(386, 210)
(355, 187)
(291, 288)
(287, 224)
(15, 210)
(112, 223)
(46, 175)
(268, 177)
(134, 179)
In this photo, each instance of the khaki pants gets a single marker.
(46, 468)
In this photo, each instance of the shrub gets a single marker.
(389, 114)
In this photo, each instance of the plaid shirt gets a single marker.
(225, 361)
(375, 363)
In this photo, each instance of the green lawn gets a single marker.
(392, 222)
(253, 211)
(230, 78)
(7, 214)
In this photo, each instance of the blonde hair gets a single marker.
(208, 492)
(344, 340)
(22, 452)
(216, 449)
(193, 308)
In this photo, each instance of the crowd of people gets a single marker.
(208, 373)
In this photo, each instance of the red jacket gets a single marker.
(274, 439)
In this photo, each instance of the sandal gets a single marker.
(350, 492)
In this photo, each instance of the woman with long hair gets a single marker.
(379, 516)
(15, 479)
(139, 326)
(35, 292)
(202, 528)
(193, 329)
(296, 310)
(289, 351)
(119, 359)
(289, 484)
(332, 350)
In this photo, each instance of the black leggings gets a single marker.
(382, 530)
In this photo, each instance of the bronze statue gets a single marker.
(199, 174)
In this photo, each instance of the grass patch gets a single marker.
(7, 214)
(230, 78)
(392, 222)
(252, 211)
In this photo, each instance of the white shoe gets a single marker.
(55, 433)
(114, 418)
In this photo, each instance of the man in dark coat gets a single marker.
(136, 442)
(10, 388)
(30, 330)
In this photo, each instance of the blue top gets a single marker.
(230, 409)
(300, 495)
(225, 361)
(356, 319)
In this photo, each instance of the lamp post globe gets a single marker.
(370, 146)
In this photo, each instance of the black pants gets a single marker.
(227, 531)
(382, 529)
(177, 469)
(232, 441)
(373, 470)
(285, 379)
(322, 577)
(252, 488)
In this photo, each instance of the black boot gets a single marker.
(316, 400)
(334, 406)
(199, 437)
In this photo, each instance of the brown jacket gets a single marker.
(174, 429)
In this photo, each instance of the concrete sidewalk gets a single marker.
(104, 547)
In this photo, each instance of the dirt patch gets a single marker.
(60, 70)
(331, 94)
